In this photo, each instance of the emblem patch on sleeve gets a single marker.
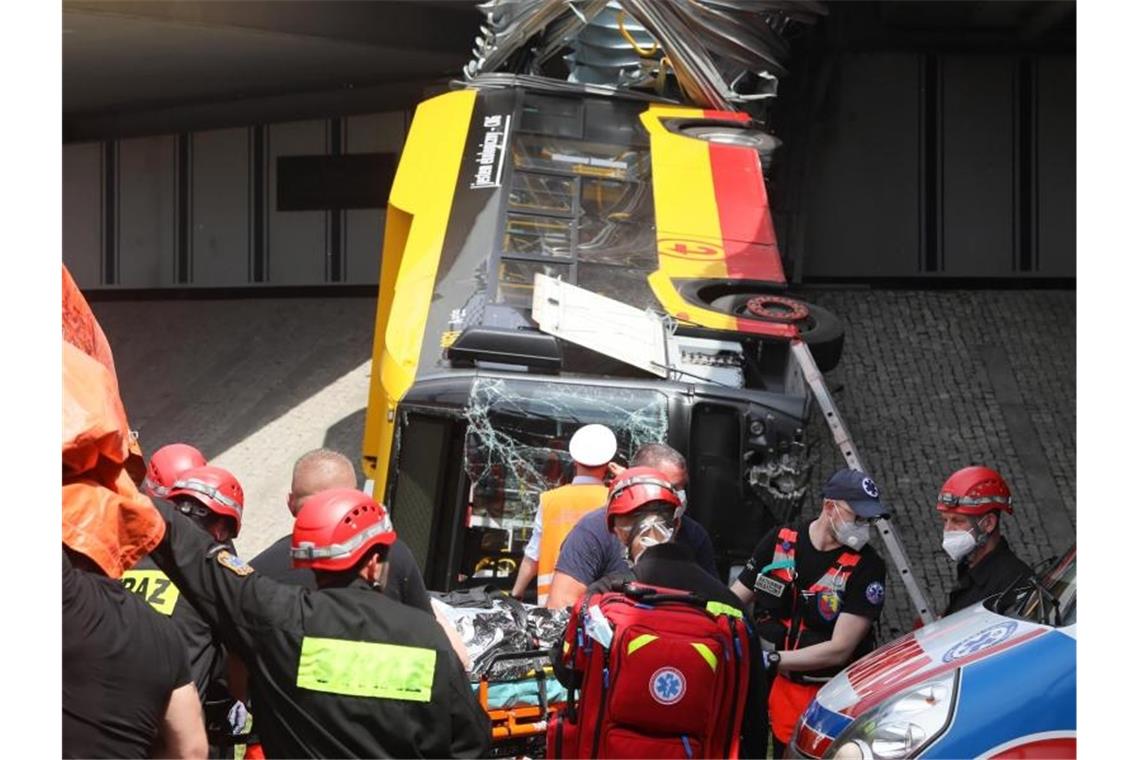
(233, 564)
(769, 586)
(875, 593)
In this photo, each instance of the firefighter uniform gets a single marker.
(800, 593)
(339, 672)
(207, 655)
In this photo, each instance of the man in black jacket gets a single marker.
(127, 690)
(214, 500)
(970, 504)
(342, 671)
(316, 471)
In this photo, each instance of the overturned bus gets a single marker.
(659, 207)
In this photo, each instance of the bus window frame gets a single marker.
(498, 253)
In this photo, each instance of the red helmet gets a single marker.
(167, 464)
(635, 488)
(215, 488)
(336, 527)
(974, 491)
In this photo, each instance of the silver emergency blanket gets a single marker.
(491, 623)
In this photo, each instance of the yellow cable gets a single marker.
(633, 43)
(659, 86)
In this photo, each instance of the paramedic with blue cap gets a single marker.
(818, 587)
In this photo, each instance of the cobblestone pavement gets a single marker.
(931, 381)
(936, 380)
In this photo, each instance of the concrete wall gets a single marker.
(200, 209)
(947, 165)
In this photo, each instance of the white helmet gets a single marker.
(593, 445)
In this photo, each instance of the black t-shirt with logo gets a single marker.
(120, 664)
(206, 653)
(865, 589)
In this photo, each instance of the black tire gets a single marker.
(821, 330)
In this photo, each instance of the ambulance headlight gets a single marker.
(902, 725)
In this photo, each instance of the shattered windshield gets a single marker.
(518, 433)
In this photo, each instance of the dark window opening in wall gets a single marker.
(319, 183)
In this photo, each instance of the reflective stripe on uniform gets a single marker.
(155, 588)
(366, 669)
(784, 555)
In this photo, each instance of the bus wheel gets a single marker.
(821, 330)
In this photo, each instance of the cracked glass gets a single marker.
(518, 433)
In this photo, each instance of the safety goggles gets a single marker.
(310, 551)
(953, 500)
(207, 490)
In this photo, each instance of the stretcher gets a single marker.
(520, 694)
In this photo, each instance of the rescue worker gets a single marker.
(167, 464)
(591, 552)
(320, 470)
(818, 587)
(127, 689)
(970, 503)
(643, 513)
(343, 671)
(592, 447)
(213, 499)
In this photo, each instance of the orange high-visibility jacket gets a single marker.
(561, 508)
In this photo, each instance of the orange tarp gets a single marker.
(104, 515)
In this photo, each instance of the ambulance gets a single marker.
(996, 680)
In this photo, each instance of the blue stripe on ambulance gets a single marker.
(1038, 676)
(823, 721)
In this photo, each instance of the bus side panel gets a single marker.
(419, 210)
(713, 221)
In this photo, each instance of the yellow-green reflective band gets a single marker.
(704, 651)
(639, 642)
(154, 587)
(720, 608)
(365, 669)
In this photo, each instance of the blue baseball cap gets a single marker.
(859, 491)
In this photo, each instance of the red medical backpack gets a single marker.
(672, 682)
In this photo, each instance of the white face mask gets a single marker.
(851, 534)
(959, 543)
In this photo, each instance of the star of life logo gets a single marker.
(870, 488)
(983, 639)
(667, 685)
